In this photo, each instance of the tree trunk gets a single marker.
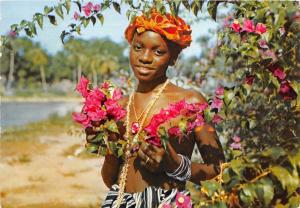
(95, 80)
(43, 78)
(78, 72)
(11, 70)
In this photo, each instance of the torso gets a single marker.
(138, 177)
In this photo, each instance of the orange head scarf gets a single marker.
(171, 27)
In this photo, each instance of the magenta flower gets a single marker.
(81, 118)
(117, 94)
(12, 34)
(279, 73)
(105, 85)
(154, 141)
(166, 206)
(260, 28)
(216, 103)
(249, 79)
(263, 44)
(174, 131)
(183, 201)
(76, 16)
(236, 144)
(97, 115)
(88, 9)
(248, 26)
(286, 91)
(217, 119)
(219, 91)
(97, 7)
(236, 26)
(82, 86)
(135, 127)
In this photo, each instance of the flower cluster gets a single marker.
(236, 143)
(248, 26)
(99, 105)
(88, 9)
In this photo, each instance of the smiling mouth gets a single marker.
(143, 70)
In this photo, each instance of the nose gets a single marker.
(146, 57)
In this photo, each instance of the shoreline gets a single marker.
(41, 99)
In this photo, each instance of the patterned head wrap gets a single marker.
(171, 27)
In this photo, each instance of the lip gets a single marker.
(143, 69)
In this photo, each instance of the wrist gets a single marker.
(172, 162)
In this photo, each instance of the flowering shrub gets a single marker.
(101, 112)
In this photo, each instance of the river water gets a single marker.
(17, 114)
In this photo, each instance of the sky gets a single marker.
(13, 11)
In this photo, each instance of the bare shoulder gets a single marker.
(190, 95)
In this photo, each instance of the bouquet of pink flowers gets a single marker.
(101, 112)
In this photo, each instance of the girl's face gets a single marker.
(149, 56)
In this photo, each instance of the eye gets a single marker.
(159, 52)
(137, 47)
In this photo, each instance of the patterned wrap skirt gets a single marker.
(151, 197)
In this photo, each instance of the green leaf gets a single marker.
(274, 153)
(186, 4)
(59, 11)
(211, 186)
(228, 96)
(28, 32)
(265, 191)
(285, 178)
(47, 10)
(67, 5)
(23, 23)
(212, 9)
(91, 148)
(93, 20)
(52, 19)
(85, 21)
(100, 18)
(248, 194)
(117, 7)
(39, 18)
(79, 5)
(111, 126)
(195, 8)
(295, 159)
(32, 27)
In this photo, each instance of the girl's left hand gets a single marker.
(156, 159)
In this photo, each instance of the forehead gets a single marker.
(150, 38)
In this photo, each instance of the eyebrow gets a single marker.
(155, 46)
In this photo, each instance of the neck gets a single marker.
(145, 87)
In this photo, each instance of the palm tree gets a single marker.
(39, 59)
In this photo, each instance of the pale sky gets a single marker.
(13, 11)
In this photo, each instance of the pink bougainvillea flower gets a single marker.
(279, 73)
(263, 44)
(154, 141)
(166, 206)
(236, 26)
(135, 127)
(219, 91)
(248, 26)
(249, 79)
(236, 138)
(105, 85)
(88, 9)
(82, 86)
(97, 115)
(97, 7)
(236, 145)
(183, 201)
(217, 119)
(117, 94)
(76, 16)
(268, 54)
(286, 91)
(216, 103)
(260, 28)
(12, 34)
(174, 131)
(114, 109)
(82, 118)
(296, 16)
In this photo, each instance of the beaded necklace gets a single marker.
(124, 170)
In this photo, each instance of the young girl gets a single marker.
(155, 176)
